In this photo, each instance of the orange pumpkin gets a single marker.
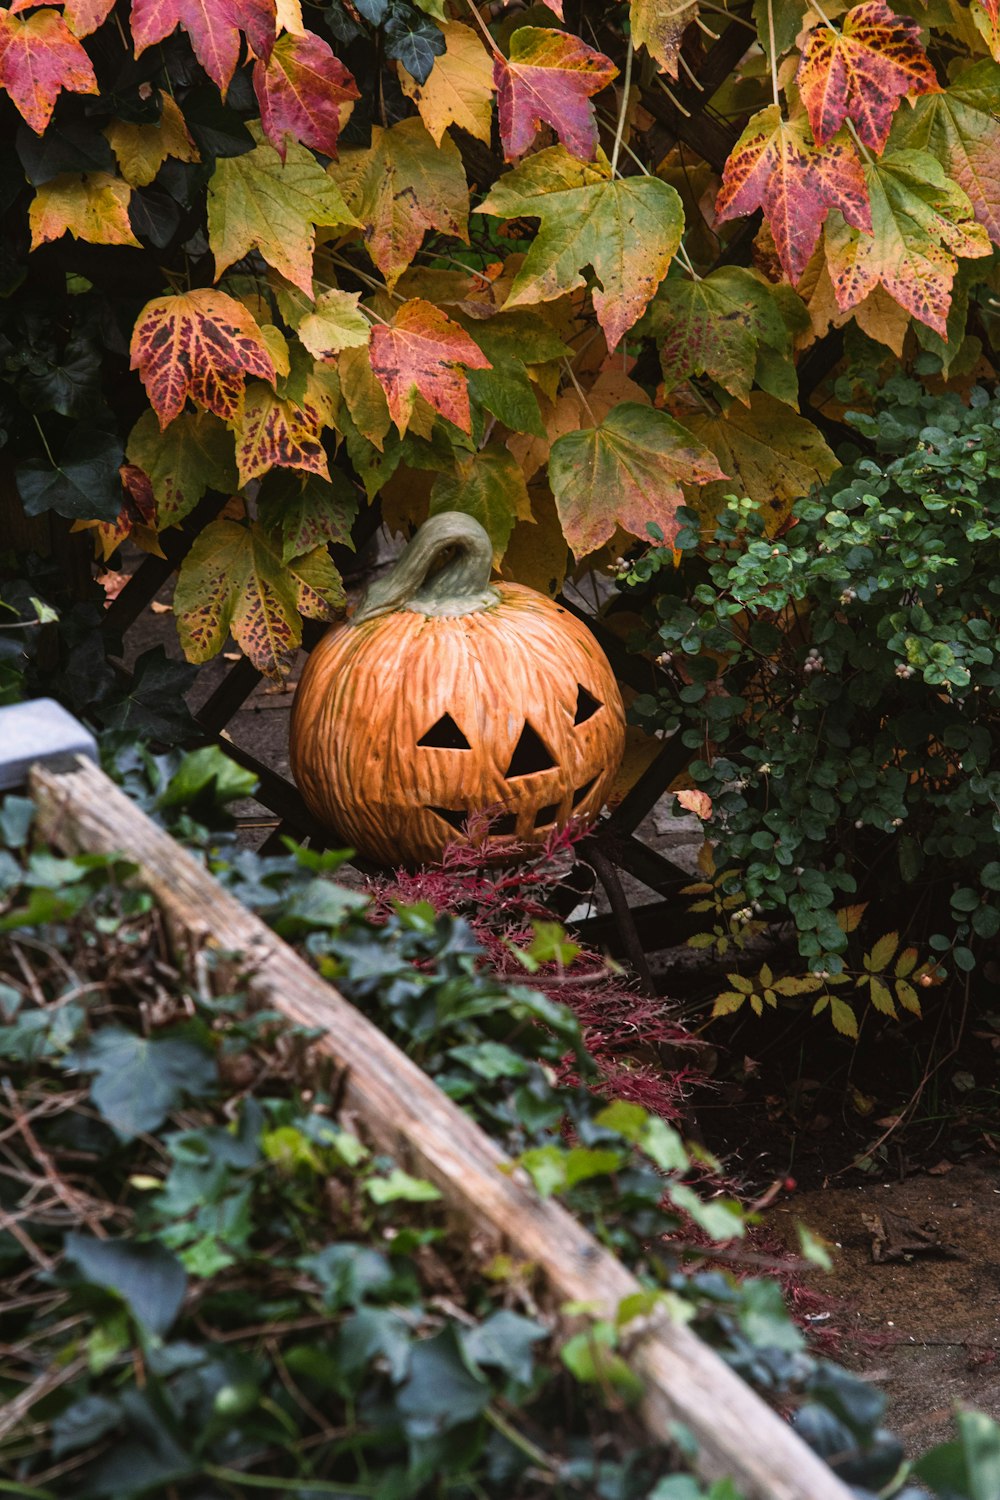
(447, 694)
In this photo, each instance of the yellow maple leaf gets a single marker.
(459, 88)
(92, 206)
(141, 150)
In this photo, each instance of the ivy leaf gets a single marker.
(193, 454)
(39, 58)
(400, 187)
(93, 207)
(776, 166)
(213, 26)
(959, 127)
(233, 579)
(276, 432)
(307, 512)
(715, 327)
(201, 344)
(302, 89)
(921, 221)
(769, 454)
(423, 351)
(627, 229)
(861, 72)
(659, 26)
(413, 40)
(259, 202)
(488, 485)
(459, 89)
(145, 1275)
(84, 483)
(334, 324)
(141, 150)
(153, 706)
(548, 80)
(627, 471)
(137, 1082)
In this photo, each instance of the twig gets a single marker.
(623, 112)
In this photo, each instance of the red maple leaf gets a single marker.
(777, 167)
(862, 72)
(82, 16)
(301, 90)
(548, 80)
(39, 58)
(214, 27)
(200, 344)
(423, 351)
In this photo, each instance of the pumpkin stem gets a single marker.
(460, 587)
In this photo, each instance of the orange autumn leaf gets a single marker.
(777, 167)
(862, 72)
(424, 352)
(548, 80)
(278, 433)
(201, 344)
(39, 58)
(214, 27)
(92, 207)
(82, 16)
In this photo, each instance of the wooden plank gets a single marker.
(407, 1115)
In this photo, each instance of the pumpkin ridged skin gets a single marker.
(370, 691)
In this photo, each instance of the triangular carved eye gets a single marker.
(445, 735)
(586, 705)
(530, 755)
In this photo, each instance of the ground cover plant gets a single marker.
(447, 258)
(212, 1286)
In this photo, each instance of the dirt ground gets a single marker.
(925, 1327)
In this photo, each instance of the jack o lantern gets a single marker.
(446, 695)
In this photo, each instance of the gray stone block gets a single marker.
(40, 730)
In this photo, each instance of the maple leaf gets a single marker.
(626, 228)
(920, 223)
(141, 150)
(861, 72)
(82, 16)
(306, 511)
(489, 486)
(214, 27)
(401, 187)
(201, 344)
(626, 471)
(335, 323)
(259, 202)
(91, 207)
(459, 88)
(548, 80)
(423, 350)
(777, 167)
(233, 580)
(193, 454)
(959, 128)
(302, 90)
(39, 58)
(986, 19)
(659, 26)
(716, 326)
(769, 454)
(276, 432)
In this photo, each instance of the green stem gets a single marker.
(418, 583)
(45, 442)
(268, 1482)
(623, 112)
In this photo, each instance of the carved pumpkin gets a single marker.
(446, 694)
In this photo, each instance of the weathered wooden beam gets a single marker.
(408, 1115)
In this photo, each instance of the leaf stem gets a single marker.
(773, 52)
(485, 30)
(623, 112)
(45, 442)
(269, 1482)
(685, 261)
(606, 119)
(859, 142)
(530, 1450)
(673, 99)
(580, 391)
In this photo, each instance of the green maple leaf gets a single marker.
(626, 471)
(193, 454)
(307, 511)
(233, 580)
(921, 222)
(488, 485)
(627, 229)
(259, 202)
(769, 454)
(716, 326)
(960, 129)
